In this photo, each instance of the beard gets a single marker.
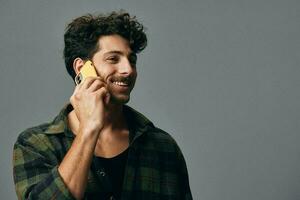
(114, 99)
(120, 94)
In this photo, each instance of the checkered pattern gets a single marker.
(155, 167)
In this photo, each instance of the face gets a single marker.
(115, 63)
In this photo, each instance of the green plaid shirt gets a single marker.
(155, 167)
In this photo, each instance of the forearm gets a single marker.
(75, 166)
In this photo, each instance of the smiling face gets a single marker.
(115, 63)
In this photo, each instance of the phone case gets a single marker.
(86, 71)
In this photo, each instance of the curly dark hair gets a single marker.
(82, 34)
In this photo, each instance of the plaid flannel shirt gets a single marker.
(155, 167)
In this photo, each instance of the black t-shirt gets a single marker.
(113, 169)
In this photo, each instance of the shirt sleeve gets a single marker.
(184, 177)
(35, 176)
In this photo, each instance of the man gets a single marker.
(97, 147)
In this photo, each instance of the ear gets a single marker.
(77, 64)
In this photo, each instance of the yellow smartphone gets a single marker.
(87, 70)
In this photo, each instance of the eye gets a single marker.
(113, 59)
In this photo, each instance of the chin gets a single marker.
(120, 99)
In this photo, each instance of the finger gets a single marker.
(87, 82)
(97, 84)
(77, 87)
(75, 92)
(100, 77)
(102, 92)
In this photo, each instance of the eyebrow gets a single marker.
(118, 52)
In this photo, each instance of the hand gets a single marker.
(89, 100)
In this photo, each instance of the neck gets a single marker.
(114, 117)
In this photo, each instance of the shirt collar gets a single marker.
(60, 122)
(138, 122)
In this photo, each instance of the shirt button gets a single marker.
(111, 198)
(101, 173)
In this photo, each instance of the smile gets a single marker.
(120, 83)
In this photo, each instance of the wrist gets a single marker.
(89, 133)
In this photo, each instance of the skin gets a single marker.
(97, 119)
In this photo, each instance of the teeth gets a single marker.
(119, 83)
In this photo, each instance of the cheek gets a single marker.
(105, 73)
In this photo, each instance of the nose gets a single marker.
(126, 67)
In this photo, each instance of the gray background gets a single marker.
(221, 76)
